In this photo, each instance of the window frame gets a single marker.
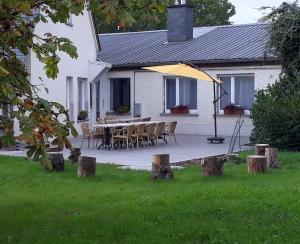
(232, 86)
(192, 111)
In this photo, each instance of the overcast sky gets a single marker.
(247, 10)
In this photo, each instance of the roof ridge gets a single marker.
(196, 27)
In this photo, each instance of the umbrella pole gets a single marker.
(215, 111)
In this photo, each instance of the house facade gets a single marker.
(235, 54)
(72, 86)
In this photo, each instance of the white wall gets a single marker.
(83, 37)
(149, 91)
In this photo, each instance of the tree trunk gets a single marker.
(272, 157)
(57, 161)
(260, 149)
(86, 166)
(257, 163)
(74, 155)
(161, 168)
(212, 166)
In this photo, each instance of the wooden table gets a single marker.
(107, 127)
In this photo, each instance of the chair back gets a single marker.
(140, 130)
(160, 128)
(130, 130)
(86, 131)
(150, 129)
(146, 119)
(173, 127)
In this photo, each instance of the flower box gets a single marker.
(180, 110)
(233, 109)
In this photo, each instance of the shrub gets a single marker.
(122, 109)
(82, 115)
(276, 114)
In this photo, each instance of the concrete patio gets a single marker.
(190, 147)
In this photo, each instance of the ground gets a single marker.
(125, 206)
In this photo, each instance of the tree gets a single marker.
(206, 13)
(276, 110)
(41, 121)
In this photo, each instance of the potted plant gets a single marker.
(181, 109)
(122, 109)
(233, 109)
(82, 115)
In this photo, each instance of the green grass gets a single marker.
(124, 206)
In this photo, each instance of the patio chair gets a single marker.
(148, 134)
(159, 130)
(138, 134)
(88, 134)
(124, 135)
(170, 131)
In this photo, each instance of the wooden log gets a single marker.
(272, 157)
(74, 155)
(57, 161)
(260, 149)
(212, 166)
(257, 163)
(161, 168)
(86, 166)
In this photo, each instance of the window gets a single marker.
(180, 91)
(240, 89)
(69, 97)
(82, 94)
(120, 94)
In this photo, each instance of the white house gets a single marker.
(108, 73)
(235, 54)
(73, 83)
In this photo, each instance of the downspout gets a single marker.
(134, 112)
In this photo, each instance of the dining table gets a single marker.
(107, 126)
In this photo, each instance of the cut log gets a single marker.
(161, 168)
(212, 166)
(57, 161)
(272, 157)
(74, 155)
(86, 166)
(260, 149)
(257, 163)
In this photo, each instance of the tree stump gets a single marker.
(212, 166)
(57, 161)
(272, 157)
(260, 149)
(257, 163)
(86, 166)
(74, 155)
(161, 168)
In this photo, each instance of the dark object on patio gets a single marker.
(257, 163)
(74, 155)
(233, 109)
(57, 161)
(161, 168)
(86, 166)
(212, 166)
(217, 140)
(272, 157)
(260, 149)
(181, 109)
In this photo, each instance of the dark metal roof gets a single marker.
(219, 44)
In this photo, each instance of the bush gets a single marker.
(122, 109)
(276, 114)
(82, 115)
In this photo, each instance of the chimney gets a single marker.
(180, 22)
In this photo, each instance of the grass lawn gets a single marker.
(124, 206)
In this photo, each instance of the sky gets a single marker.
(247, 10)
